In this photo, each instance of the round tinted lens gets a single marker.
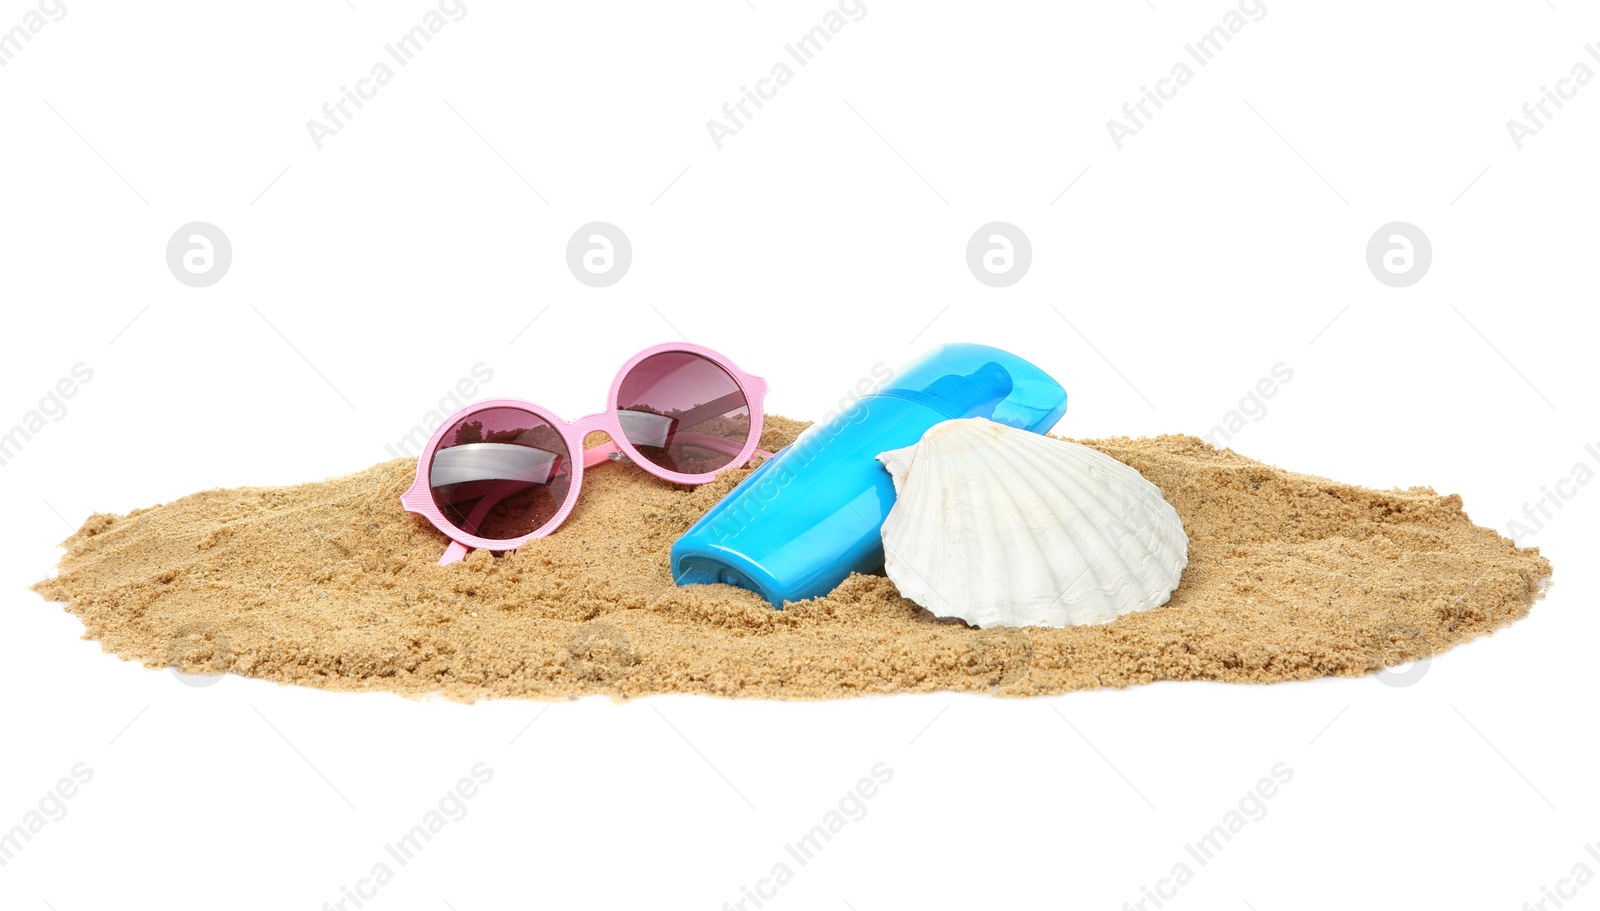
(683, 413)
(500, 473)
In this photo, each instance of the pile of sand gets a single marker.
(331, 585)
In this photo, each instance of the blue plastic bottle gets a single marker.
(813, 513)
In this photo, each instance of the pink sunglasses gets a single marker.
(500, 473)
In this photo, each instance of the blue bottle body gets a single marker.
(813, 513)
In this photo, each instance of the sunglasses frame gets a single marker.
(419, 498)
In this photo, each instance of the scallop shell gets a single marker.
(1003, 527)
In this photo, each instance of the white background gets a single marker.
(829, 235)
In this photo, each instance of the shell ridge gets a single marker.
(1024, 457)
(1147, 508)
(1103, 553)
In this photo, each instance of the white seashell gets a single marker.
(1004, 527)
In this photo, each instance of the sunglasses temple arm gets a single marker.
(601, 453)
(714, 408)
(457, 551)
(718, 444)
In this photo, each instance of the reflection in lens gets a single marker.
(683, 413)
(500, 473)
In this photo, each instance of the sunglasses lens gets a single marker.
(500, 473)
(683, 412)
